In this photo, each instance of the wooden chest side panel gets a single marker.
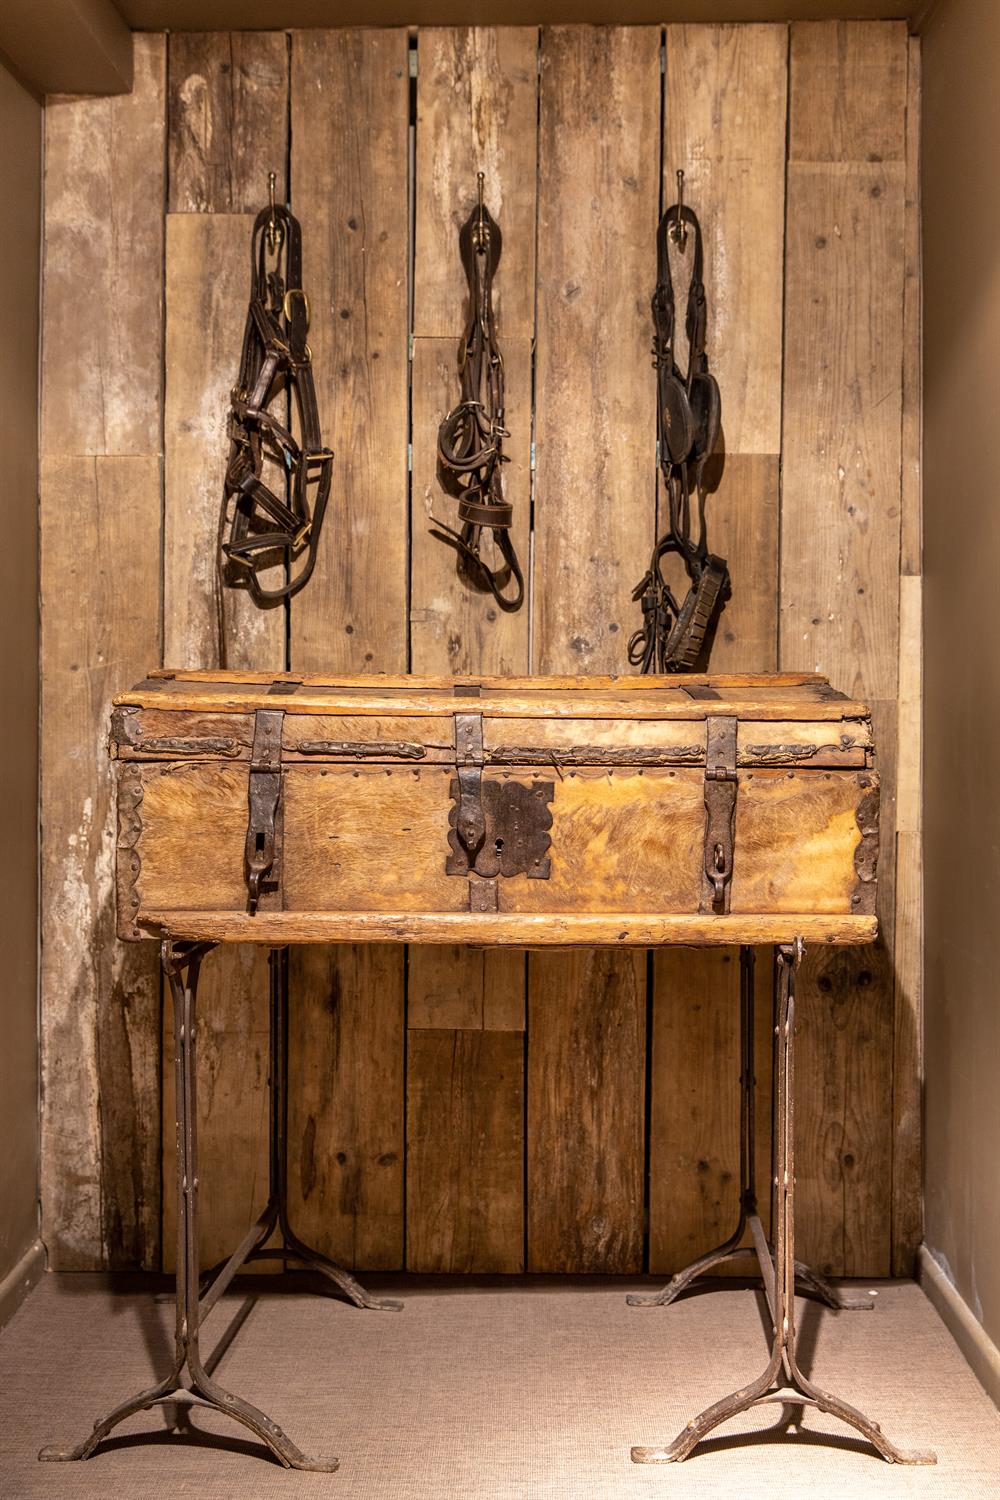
(620, 842)
(193, 829)
(796, 840)
(372, 840)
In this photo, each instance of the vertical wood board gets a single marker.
(228, 119)
(477, 111)
(103, 267)
(100, 549)
(595, 424)
(465, 1152)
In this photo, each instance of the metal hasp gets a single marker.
(181, 964)
(264, 794)
(782, 1380)
(496, 828)
(720, 813)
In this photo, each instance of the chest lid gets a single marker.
(781, 719)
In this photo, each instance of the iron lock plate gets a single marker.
(496, 828)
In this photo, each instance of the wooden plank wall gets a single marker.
(456, 1111)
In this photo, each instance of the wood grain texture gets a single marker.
(911, 550)
(349, 174)
(207, 286)
(725, 118)
(586, 1067)
(743, 528)
(232, 1103)
(694, 1127)
(465, 1152)
(228, 119)
(595, 398)
(455, 628)
(477, 111)
(346, 1103)
(350, 94)
(103, 267)
(468, 989)
(840, 558)
(100, 999)
(560, 930)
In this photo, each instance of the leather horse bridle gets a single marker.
(673, 635)
(268, 530)
(470, 439)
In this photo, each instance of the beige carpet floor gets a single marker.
(525, 1390)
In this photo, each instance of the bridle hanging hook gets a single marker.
(678, 229)
(482, 233)
(275, 233)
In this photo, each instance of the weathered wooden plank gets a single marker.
(469, 989)
(350, 92)
(465, 1152)
(346, 1105)
(476, 112)
(232, 1103)
(843, 1125)
(100, 560)
(841, 464)
(227, 119)
(453, 627)
(207, 285)
(549, 930)
(743, 528)
(103, 258)
(725, 114)
(840, 531)
(912, 528)
(851, 75)
(595, 513)
(586, 1085)
(349, 166)
(694, 1145)
(595, 430)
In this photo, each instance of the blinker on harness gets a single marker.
(267, 530)
(675, 636)
(470, 439)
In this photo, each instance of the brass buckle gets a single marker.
(295, 291)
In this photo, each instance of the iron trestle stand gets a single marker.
(181, 963)
(782, 1380)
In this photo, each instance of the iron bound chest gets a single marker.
(494, 810)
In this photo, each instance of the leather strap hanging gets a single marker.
(470, 439)
(259, 529)
(674, 636)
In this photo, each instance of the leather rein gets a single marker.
(470, 439)
(676, 634)
(267, 530)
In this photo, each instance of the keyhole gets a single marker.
(498, 845)
(260, 843)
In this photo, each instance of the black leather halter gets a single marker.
(675, 636)
(265, 529)
(470, 439)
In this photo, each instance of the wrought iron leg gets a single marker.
(810, 1282)
(782, 1380)
(181, 963)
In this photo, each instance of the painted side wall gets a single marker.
(20, 192)
(961, 205)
